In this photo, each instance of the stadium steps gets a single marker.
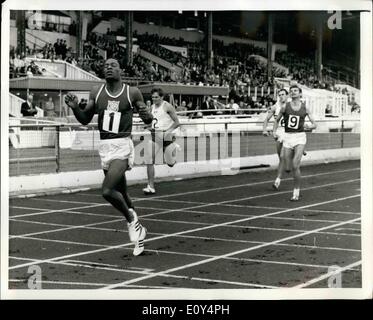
(159, 61)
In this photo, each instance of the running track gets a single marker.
(225, 232)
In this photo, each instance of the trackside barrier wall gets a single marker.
(73, 159)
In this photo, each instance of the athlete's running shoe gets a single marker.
(136, 231)
(276, 185)
(139, 247)
(148, 190)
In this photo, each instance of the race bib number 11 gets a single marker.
(293, 122)
(111, 121)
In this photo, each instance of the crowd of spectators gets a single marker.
(233, 66)
(19, 66)
(239, 104)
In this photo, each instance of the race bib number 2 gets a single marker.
(111, 121)
(293, 122)
(154, 124)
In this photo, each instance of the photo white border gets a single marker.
(199, 5)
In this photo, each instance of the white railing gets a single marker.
(69, 71)
(15, 105)
(338, 102)
(75, 73)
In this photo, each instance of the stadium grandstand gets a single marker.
(222, 72)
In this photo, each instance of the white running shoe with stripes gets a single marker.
(139, 248)
(137, 234)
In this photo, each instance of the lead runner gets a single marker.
(115, 102)
(294, 140)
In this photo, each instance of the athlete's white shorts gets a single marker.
(116, 149)
(291, 140)
(280, 133)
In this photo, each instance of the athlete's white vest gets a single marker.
(164, 121)
(277, 111)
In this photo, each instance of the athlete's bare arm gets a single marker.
(172, 113)
(83, 116)
(275, 124)
(313, 123)
(138, 102)
(269, 115)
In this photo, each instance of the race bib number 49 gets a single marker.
(293, 121)
(111, 121)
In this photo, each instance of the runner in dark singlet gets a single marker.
(295, 139)
(115, 103)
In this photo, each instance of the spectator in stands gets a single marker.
(27, 107)
(241, 106)
(328, 110)
(232, 107)
(35, 69)
(206, 106)
(190, 107)
(19, 64)
(29, 72)
(72, 28)
(49, 108)
(355, 108)
(182, 107)
(63, 49)
(56, 46)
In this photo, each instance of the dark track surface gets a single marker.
(228, 232)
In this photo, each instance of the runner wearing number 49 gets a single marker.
(115, 103)
(295, 139)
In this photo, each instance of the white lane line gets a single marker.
(82, 262)
(248, 206)
(27, 208)
(58, 210)
(217, 203)
(205, 190)
(202, 228)
(89, 284)
(165, 276)
(313, 247)
(281, 208)
(243, 185)
(92, 264)
(272, 218)
(70, 242)
(261, 196)
(225, 255)
(348, 229)
(250, 227)
(61, 282)
(66, 227)
(328, 275)
(198, 211)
